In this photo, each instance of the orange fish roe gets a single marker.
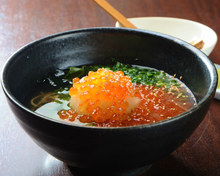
(109, 99)
(67, 114)
(103, 95)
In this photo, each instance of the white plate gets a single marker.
(186, 30)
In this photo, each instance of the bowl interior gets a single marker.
(99, 46)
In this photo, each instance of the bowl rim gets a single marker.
(202, 56)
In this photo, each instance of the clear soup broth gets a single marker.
(110, 95)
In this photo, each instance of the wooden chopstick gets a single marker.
(199, 44)
(125, 23)
(115, 14)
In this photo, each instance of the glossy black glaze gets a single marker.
(119, 148)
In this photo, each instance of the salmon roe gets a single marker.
(109, 99)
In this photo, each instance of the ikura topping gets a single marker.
(103, 95)
(109, 99)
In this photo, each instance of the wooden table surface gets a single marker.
(23, 21)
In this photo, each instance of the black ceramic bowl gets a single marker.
(95, 147)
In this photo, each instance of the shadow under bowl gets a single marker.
(107, 148)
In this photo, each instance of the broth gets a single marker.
(139, 95)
